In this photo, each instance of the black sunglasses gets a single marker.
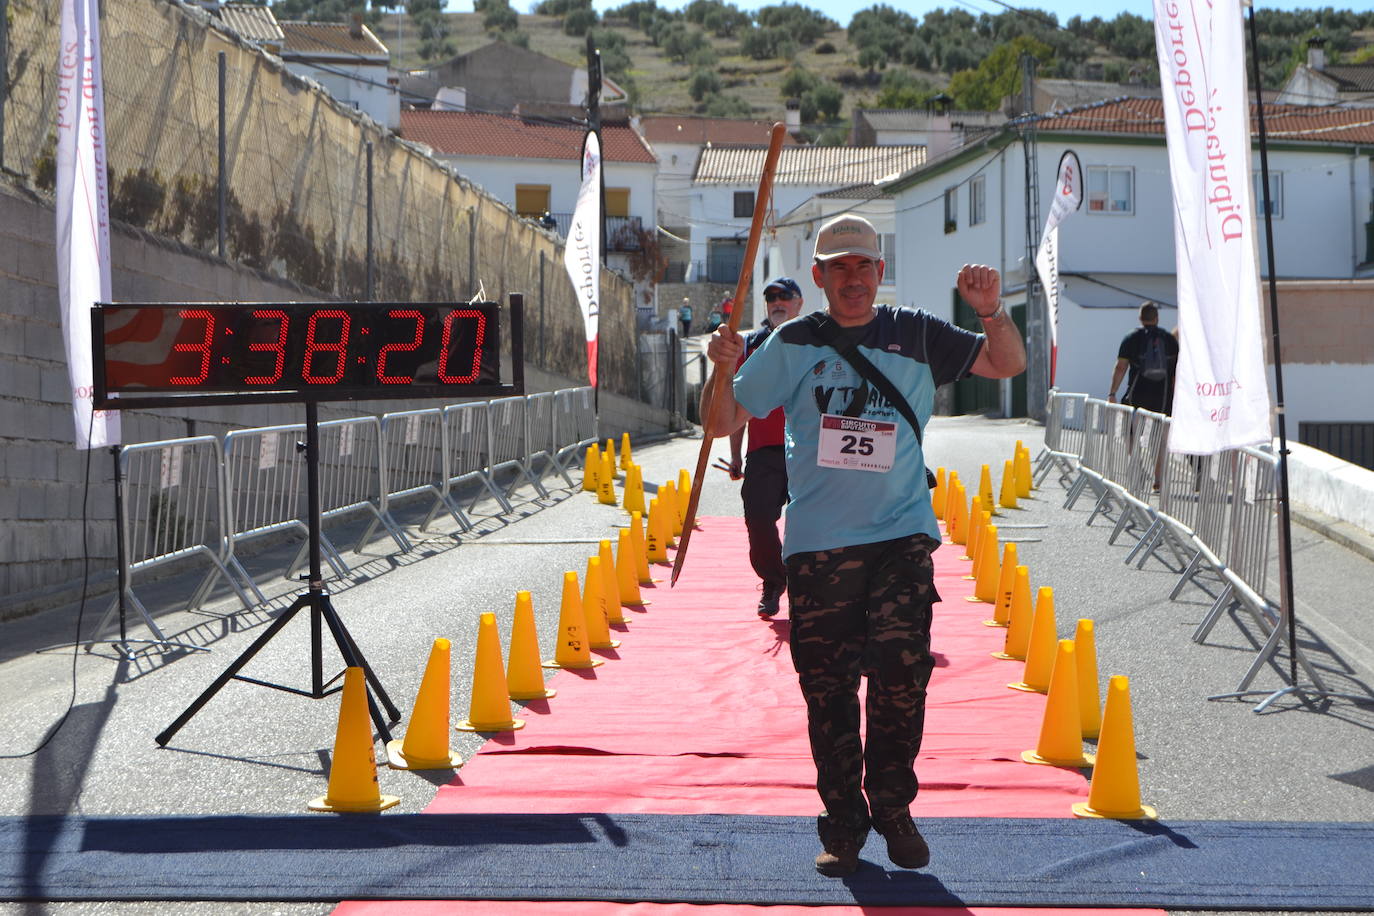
(773, 297)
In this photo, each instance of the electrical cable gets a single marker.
(81, 607)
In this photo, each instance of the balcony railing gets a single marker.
(622, 232)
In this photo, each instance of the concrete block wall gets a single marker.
(43, 498)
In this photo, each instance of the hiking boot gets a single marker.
(905, 845)
(841, 844)
(768, 601)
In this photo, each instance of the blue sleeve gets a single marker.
(761, 383)
(950, 350)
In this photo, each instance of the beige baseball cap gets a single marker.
(845, 235)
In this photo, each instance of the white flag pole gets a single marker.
(83, 215)
(582, 251)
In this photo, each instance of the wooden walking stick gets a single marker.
(761, 201)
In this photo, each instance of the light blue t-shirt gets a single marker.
(838, 507)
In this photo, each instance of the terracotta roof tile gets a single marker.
(809, 165)
(1352, 77)
(716, 131)
(1316, 123)
(472, 133)
(330, 38)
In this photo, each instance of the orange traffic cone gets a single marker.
(573, 649)
(985, 491)
(426, 743)
(626, 460)
(605, 478)
(937, 495)
(985, 588)
(524, 675)
(591, 469)
(353, 767)
(1061, 738)
(655, 542)
(594, 607)
(1035, 678)
(609, 450)
(959, 519)
(976, 528)
(1022, 466)
(951, 495)
(1089, 698)
(634, 489)
(641, 549)
(1019, 624)
(626, 572)
(610, 584)
(683, 492)
(1007, 496)
(1115, 788)
(489, 709)
(1006, 581)
(672, 515)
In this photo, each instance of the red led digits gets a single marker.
(382, 375)
(313, 346)
(478, 340)
(203, 348)
(278, 346)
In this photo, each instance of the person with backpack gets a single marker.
(1147, 359)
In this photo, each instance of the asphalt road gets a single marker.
(253, 750)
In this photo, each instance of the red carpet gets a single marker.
(698, 712)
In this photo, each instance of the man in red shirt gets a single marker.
(764, 491)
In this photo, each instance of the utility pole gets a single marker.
(1037, 331)
(594, 125)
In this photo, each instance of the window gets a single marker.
(617, 201)
(1111, 189)
(887, 246)
(951, 209)
(531, 199)
(1275, 194)
(977, 200)
(744, 204)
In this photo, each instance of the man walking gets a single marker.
(764, 491)
(1150, 355)
(860, 529)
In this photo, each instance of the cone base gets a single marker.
(618, 621)
(1092, 734)
(510, 726)
(971, 578)
(997, 623)
(1007, 658)
(547, 693)
(381, 804)
(1083, 761)
(1143, 813)
(608, 644)
(555, 663)
(974, 599)
(397, 759)
(1028, 688)
(640, 603)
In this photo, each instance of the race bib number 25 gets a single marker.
(856, 444)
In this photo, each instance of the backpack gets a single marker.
(1154, 362)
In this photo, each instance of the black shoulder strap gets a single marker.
(829, 332)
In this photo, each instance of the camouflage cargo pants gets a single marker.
(864, 610)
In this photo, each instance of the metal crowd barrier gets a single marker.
(1063, 437)
(173, 498)
(201, 496)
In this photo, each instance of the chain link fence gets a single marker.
(296, 174)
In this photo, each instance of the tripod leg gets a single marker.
(166, 734)
(353, 657)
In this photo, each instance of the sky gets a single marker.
(842, 10)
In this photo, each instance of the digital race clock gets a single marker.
(157, 354)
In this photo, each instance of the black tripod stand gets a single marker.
(317, 600)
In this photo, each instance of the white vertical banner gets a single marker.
(1221, 391)
(582, 251)
(1067, 198)
(83, 214)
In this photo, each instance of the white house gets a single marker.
(1118, 250)
(1320, 83)
(726, 182)
(349, 61)
(535, 167)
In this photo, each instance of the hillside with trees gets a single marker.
(711, 57)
